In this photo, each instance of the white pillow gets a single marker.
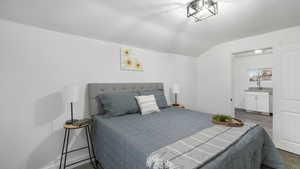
(147, 104)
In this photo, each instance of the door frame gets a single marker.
(232, 58)
(232, 78)
(232, 107)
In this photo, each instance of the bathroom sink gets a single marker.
(263, 89)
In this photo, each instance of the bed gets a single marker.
(125, 142)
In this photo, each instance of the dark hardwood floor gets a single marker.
(265, 121)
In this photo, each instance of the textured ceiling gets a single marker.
(154, 24)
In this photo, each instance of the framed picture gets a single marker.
(130, 62)
(265, 74)
(253, 75)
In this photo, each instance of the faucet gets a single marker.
(258, 81)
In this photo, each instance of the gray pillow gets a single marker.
(119, 103)
(159, 96)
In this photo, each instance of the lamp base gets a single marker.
(175, 104)
(71, 122)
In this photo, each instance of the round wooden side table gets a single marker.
(90, 146)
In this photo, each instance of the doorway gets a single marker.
(252, 87)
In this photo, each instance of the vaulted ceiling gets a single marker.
(155, 24)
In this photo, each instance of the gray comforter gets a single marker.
(125, 142)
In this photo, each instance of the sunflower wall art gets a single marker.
(130, 62)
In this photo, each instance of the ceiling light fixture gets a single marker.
(254, 52)
(202, 9)
(258, 51)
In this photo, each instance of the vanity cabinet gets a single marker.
(258, 101)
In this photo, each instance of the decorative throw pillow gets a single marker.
(147, 104)
(119, 103)
(159, 96)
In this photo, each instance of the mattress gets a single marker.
(125, 142)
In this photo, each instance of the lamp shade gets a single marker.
(71, 93)
(176, 89)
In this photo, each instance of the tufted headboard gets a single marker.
(94, 89)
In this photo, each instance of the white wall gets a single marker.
(35, 65)
(241, 65)
(214, 92)
(213, 96)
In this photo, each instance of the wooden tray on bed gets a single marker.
(234, 122)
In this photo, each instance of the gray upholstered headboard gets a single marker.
(94, 89)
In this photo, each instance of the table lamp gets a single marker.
(176, 91)
(71, 94)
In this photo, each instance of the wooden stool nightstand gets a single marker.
(64, 153)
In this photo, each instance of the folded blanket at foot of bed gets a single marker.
(197, 150)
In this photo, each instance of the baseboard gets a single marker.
(55, 164)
